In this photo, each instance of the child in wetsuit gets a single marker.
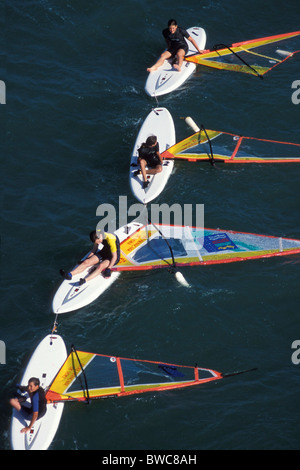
(149, 157)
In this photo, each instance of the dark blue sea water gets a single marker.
(75, 74)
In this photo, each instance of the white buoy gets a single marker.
(181, 279)
(190, 122)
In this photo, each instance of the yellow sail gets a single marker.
(85, 376)
(256, 57)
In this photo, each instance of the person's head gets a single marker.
(151, 141)
(33, 384)
(172, 25)
(96, 236)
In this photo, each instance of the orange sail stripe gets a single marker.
(274, 38)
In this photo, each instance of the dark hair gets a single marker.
(172, 22)
(35, 381)
(151, 140)
(94, 235)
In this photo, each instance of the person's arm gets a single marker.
(35, 411)
(160, 157)
(165, 35)
(192, 40)
(33, 420)
(93, 250)
(158, 154)
(112, 241)
(113, 260)
(107, 272)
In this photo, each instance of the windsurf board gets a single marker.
(159, 122)
(71, 296)
(44, 364)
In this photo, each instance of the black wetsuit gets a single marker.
(149, 154)
(176, 40)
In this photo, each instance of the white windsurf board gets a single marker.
(71, 296)
(44, 364)
(159, 122)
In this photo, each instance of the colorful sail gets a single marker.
(256, 57)
(211, 145)
(85, 376)
(156, 246)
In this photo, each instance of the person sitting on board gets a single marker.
(38, 401)
(149, 156)
(105, 257)
(177, 47)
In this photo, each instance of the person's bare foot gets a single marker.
(176, 66)
(152, 69)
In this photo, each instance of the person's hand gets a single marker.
(24, 430)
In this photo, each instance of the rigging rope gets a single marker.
(172, 267)
(218, 46)
(211, 155)
(83, 373)
(55, 325)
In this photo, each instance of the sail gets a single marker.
(85, 376)
(156, 246)
(256, 57)
(211, 145)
